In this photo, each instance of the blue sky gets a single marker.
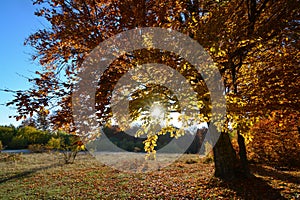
(17, 21)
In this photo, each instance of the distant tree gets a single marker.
(18, 142)
(6, 134)
(198, 145)
(21, 137)
(33, 135)
(39, 121)
(28, 122)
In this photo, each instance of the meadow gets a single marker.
(45, 176)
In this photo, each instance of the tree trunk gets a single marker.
(244, 168)
(225, 158)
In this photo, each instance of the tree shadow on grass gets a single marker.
(27, 173)
(251, 188)
(275, 174)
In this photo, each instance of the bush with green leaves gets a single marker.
(54, 143)
(33, 135)
(18, 142)
(6, 134)
(19, 138)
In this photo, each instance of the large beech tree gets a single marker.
(254, 43)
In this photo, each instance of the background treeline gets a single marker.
(271, 144)
(189, 143)
(24, 137)
(21, 137)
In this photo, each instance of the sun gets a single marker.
(157, 111)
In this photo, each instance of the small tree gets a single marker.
(68, 144)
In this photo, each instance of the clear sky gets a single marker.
(17, 22)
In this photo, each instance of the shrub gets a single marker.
(69, 145)
(6, 134)
(37, 148)
(33, 135)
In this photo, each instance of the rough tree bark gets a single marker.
(225, 158)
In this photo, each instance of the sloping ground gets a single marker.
(44, 176)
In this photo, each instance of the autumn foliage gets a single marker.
(274, 143)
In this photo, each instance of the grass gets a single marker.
(44, 176)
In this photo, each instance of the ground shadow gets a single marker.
(271, 172)
(250, 188)
(28, 172)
